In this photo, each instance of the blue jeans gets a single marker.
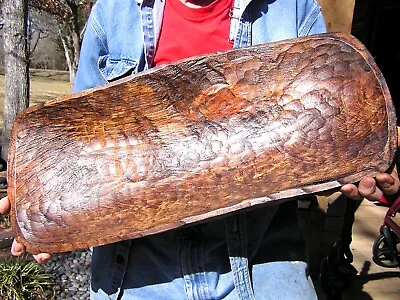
(276, 280)
(251, 255)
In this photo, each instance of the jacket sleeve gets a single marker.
(312, 20)
(94, 46)
(318, 25)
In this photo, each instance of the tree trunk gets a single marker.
(77, 51)
(16, 65)
(68, 58)
(71, 44)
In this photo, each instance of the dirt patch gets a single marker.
(5, 254)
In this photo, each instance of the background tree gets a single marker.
(45, 46)
(16, 96)
(38, 29)
(71, 16)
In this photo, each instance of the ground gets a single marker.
(373, 281)
(45, 85)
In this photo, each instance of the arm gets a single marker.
(94, 45)
(311, 19)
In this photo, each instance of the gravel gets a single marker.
(72, 274)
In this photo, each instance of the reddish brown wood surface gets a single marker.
(198, 139)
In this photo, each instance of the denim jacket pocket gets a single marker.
(112, 68)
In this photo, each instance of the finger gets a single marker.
(4, 206)
(369, 190)
(42, 258)
(17, 249)
(389, 183)
(351, 191)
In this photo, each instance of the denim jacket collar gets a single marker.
(126, 47)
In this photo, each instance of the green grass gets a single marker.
(25, 280)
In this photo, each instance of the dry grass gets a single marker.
(45, 85)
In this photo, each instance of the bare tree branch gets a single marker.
(71, 16)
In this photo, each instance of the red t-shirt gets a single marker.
(189, 31)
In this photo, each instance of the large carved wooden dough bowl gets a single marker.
(198, 139)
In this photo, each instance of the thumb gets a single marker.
(5, 206)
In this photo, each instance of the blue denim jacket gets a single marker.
(256, 254)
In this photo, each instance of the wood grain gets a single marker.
(198, 139)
